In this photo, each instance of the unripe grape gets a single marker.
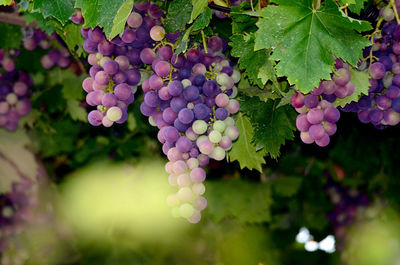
(114, 114)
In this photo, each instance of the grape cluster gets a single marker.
(381, 106)
(317, 115)
(348, 203)
(115, 74)
(58, 55)
(189, 98)
(14, 91)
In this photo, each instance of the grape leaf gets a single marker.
(287, 186)
(76, 112)
(272, 125)
(243, 149)
(203, 20)
(241, 20)
(264, 93)
(15, 159)
(179, 13)
(5, 2)
(183, 41)
(199, 7)
(355, 6)
(250, 204)
(61, 140)
(361, 87)
(111, 15)
(249, 61)
(40, 22)
(8, 176)
(71, 34)
(10, 36)
(61, 10)
(304, 40)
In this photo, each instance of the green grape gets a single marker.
(114, 114)
(215, 137)
(199, 127)
(186, 210)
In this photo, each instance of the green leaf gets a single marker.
(249, 61)
(76, 112)
(179, 13)
(286, 186)
(61, 140)
(355, 6)
(41, 22)
(10, 37)
(61, 10)
(203, 20)
(242, 19)
(264, 93)
(243, 149)
(15, 159)
(71, 34)
(250, 204)
(361, 87)
(304, 40)
(111, 15)
(183, 41)
(120, 18)
(5, 2)
(198, 7)
(272, 125)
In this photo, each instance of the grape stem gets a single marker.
(204, 41)
(395, 11)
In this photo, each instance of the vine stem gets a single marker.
(14, 19)
(316, 4)
(395, 11)
(204, 41)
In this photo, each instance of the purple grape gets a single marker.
(162, 68)
(201, 111)
(377, 70)
(185, 116)
(178, 103)
(191, 93)
(128, 36)
(106, 48)
(396, 104)
(94, 70)
(316, 131)
(175, 88)
(152, 99)
(331, 114)
(132, 77)
(221, 114)
(147, 55)
(302, 123)
(109, 100)
(146, 110)
(183, 144)
(95, 117)
(102, 78)
(169, 115)
(122, 91)
(95, 35)
(120, 77)
(171, 134)
(156, 82)
(211, 88)
(181, 126)
(111, 67)
(311, 101)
